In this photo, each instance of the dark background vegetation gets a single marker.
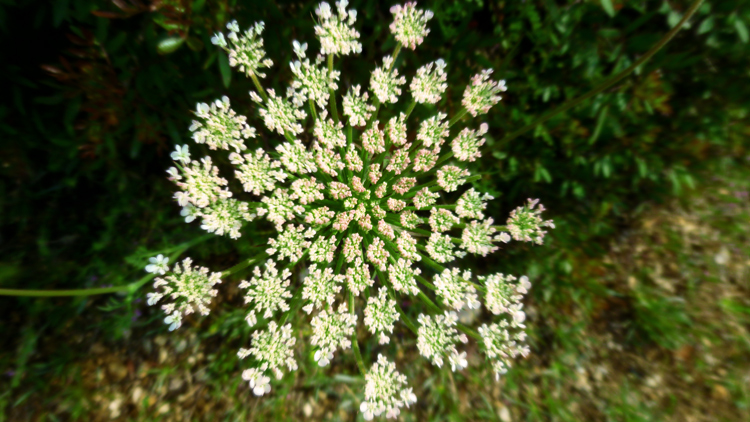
(95, 95)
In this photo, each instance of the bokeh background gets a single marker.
(640, 306)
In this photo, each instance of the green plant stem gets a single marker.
(461, 113)
(469, 332)
(404, 318)
(59, 293)
(313, 114)
(374, 114)
(259, 87)
(442, 159)
(432, 264)
(293, 308)
(332, 99)
(411, 108)
(395, 55)
(244, 264)
(430, 304)
(604, 85)
(425, 282)
(130, 288)
(355, 343)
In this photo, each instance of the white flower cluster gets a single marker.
(385, 391)
(503, 341)
(429, 83)
(376, 204)
(455, 289)
(380, 315)
(312, 80)
(525, 223)
(410, 24)
(204, 195)
(332, 330)
(245, 50)
(267, 291)
(186, 290)
(482, 93)
(437, 337)
(282, 115)
(385, 82)
(272, 349)
(358, 110)
(221, 127)
(335, 32)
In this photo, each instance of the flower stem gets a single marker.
(375, 113)
(469, 332)
(130, 288)
(461, 113)
(411, 108)
(425, 282)
(395, 55)
(406, 320)
(313, 114)
(77, 292)
(259, 87)
(293, 307)
(445, 156)
(244, 264)
(332, 99)
(604, 85)
(432, 264)
(355, 343)
(430, 304)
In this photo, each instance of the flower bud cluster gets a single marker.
(482, 93)
(504, 341)
(185, 290)
(385, 391)
(204, 195)
(335, 31)
(437, 337)
(410, 24)
(272, 350)
(220, 126)
(245, 50)
(525, 223)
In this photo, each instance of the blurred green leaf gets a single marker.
(225, 70)
(599, 124)
(608, 7)
(169, 45)
(739, 25)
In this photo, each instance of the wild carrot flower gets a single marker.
(185, 290)
(385, 391)
(525, 223)
(375, 201)
(437, 337)
(272, 350)
(410, 24)
(245, 50)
